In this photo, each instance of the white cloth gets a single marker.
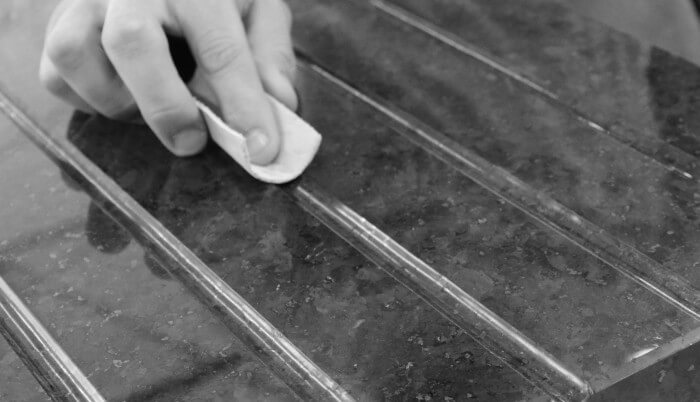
(299, 143)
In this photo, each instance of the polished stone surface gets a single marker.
(134, 332)
(643, 94)
(606, 182)
(373, 335)
(139, 335)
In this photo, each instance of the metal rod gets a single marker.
(674, 159)
(49, 364)
(301, 374)
(486, 327)
(621, 256)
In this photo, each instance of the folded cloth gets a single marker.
(299, 143)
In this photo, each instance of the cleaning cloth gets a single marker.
(299, 143)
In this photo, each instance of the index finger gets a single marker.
(138, 49)
(218, 40)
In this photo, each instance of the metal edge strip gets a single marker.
(643, 147)
(300, 373)
(487, 328)
(57, 374)
(617, 254)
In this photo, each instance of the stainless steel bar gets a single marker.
(301, 374)
(486, 327)
(642, 145)
(619, 255)
(60, 377)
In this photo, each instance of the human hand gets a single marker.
(112, 57)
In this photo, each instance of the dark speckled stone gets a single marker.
(620, 190)
(139, 335)
(643, 93)
(134, 332)
(374, 336)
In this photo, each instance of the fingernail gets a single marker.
(188, 142)
(257, 141)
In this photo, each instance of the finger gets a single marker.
(199, 86)
(138, 48)
(215, 33)
(73, 46)
(52, 80)
(55, 15)
(270, 24)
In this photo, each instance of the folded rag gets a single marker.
(299, 143)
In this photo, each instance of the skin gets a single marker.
(111, 57)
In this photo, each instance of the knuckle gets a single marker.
(124, 36)
(66, 50)
(220, 52)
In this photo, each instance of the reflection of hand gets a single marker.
(241, 47)
(104, 233)
(113, 146)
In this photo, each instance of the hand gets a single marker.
(112, 57)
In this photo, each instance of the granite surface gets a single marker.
(641, 94)
(608, 134)
(136, 334)
(606, 182)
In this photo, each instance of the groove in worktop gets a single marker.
(619, 255)
(58, 375)
(640, 145)
(486, 327)
(301, 374)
